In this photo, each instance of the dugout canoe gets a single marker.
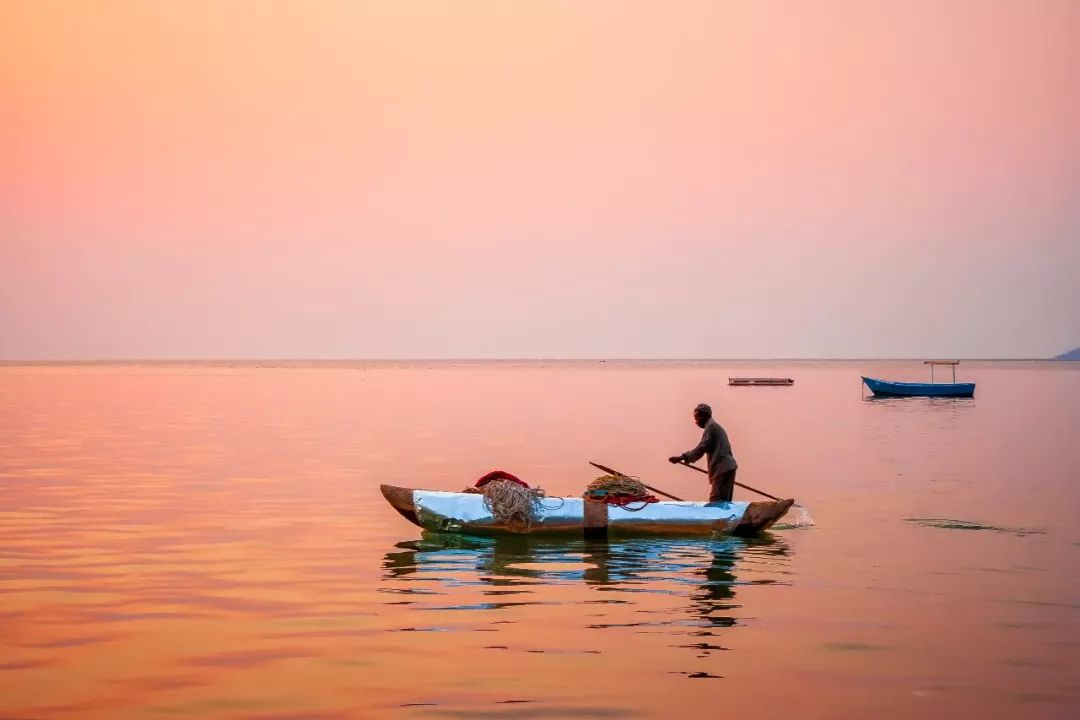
(465, 513)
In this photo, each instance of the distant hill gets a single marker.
(1071, 355)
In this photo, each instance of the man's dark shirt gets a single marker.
(715, 444)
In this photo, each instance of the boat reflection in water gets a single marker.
(641, 584)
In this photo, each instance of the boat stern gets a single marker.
(760, 516)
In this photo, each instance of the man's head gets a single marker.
(702, 415)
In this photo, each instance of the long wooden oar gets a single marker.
(609, 471)
(746, 487)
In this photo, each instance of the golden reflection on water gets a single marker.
(208, 541)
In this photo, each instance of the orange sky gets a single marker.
(399, 179)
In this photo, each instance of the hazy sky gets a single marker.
(520, 179)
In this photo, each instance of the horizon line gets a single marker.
(177, 360)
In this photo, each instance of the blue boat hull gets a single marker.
(887, 388)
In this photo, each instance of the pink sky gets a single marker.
(539, 179)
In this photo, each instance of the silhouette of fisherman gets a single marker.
(715, 444)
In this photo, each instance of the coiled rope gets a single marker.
(620, 490)
(512, 503)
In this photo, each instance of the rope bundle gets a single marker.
(511, 503)
(619, 490)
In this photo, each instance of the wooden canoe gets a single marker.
(466, 513)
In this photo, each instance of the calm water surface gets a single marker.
(207, 540)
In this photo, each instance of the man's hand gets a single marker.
(676, 459)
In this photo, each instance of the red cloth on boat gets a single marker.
(623, 499)
(500, 475)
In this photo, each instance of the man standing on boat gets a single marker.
(715, 444)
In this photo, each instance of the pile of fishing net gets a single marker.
(619, 490)
(509, 499)
(511, 503)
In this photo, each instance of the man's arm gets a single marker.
(701, 448)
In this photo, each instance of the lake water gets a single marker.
(208, 541)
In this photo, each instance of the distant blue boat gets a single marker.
(890, 388)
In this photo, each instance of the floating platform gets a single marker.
(753, 381)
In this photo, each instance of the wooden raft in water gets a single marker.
(750, 381)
